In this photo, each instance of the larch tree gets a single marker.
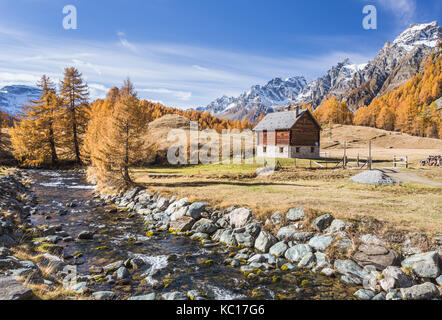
(74, 92)
(34, 137)
(121, 143)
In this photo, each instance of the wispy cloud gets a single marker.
(182, 95)
(404, 10)
(125, 43)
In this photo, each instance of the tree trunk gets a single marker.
(75, 137)
(52, 144)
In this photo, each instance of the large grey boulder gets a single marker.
(290, 233)
(297, 252)
(364, 294)
(179, 213)
(227, 237)
(295, 215)
(182, 224)
(162, 204)
(394, 277)
(425, 265)
(377, 256)
(85, 235)
(337, 226)
(11, 289)
(424, 291)
(279, 249)
(277, 218)
(205, 226)
(195, 210)
(264, 241)
(307, 261)
(240, 217)
(322, 222)
(122, 273)
(352, 272)
(320, 243)
(245, 239)
(253, 229)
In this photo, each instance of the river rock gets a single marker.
(245, 239)
(162, 204)
(181, 212)
(377, 256)
(113, 266)
(364, 294)
(277, 218)
(379, 297)
(85, 235)
(240, 217)
(439, 280)
(425, 265)
(337, 226)
(295, 215)
(297, 252)
(352, 272)
(394, 277)
(122, 273)
(279, 249)
(195, 210)
(11, 289)
(424, 291)
(79, 288)
(228, 238)
(174, 296)
(307, 261)
(290, 233)
(205, 226)
(320, 243)
(322, 222)
(182, 224)
(253, 229)
(103, 295)
(321, 261)
(146, 297)
(264, 241)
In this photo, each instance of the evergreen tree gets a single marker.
(75, 96)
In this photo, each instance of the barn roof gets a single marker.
(284, 120)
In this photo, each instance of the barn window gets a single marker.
(281, 150)
(298, 149)
(264, 149)
(312, 149)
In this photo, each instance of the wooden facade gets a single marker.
(305, 132)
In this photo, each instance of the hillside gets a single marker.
(385, 144)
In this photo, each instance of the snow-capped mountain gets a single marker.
(335, 82)
(396, 63)
(13, 97)
(259, 99)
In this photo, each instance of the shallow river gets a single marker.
(66, 199)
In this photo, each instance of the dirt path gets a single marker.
(410, 176)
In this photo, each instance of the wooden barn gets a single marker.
(288, 134)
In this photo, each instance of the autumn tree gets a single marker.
(34, 136)
(75, 97)
(333, 111)
(120, 142)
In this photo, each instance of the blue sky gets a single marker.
(185, 53)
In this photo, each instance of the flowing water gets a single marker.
(67, 200)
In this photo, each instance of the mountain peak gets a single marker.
(425, 34)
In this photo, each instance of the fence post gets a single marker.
(394, 161)
(369, 155)
(406, 162)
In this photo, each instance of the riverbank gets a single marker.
(116, 255)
